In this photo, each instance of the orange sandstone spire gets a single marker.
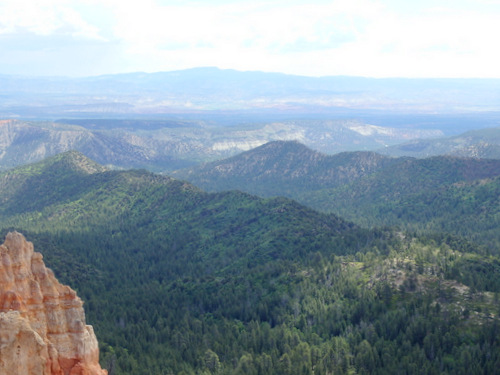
(42, 322)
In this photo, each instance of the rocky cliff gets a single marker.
(42, 323)
(168, 145)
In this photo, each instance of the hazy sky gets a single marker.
(376, 38)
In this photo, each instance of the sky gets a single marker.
(370, 38)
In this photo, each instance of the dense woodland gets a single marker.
(442, 194)
(179, 281)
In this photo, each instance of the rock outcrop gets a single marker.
(42, 322)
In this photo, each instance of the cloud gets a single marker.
(47, 17)
(318, 37)
(53, 37)
(256, 25)
(438, 42)
(247, 34)
(357, 37)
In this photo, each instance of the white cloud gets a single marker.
(437, 43)
(247, 24)
(318, 37)
(47, 17)
(247, 34)
(322, 38)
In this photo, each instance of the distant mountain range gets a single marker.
(210, 89)
(171, 120)
(483, 143)
(166, 145)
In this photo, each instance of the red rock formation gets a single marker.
(42, 323)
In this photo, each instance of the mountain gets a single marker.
(467, 206)
(284, 168)
(178, 280)
(290, 168)
(368, 188)
(25, 142)
(42, 322)
(166, 145)
(210, 89)
(483, 143)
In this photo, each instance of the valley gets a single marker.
(178, 280)
(219, 222)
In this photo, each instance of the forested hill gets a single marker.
(483, 143)
(438, 194)
(290, 168)
(180, 281)
(284, 168)
(469, 209)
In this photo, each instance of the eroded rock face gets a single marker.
(42, 322)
